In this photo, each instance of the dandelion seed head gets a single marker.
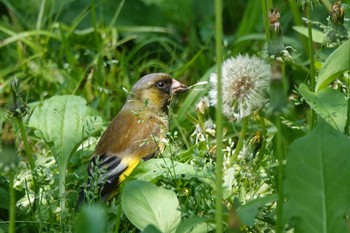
(245, 84)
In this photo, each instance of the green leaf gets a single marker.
(146, 204)
(248, 212)
(329, 103)
(317, 181)
(151, 229)
(317, 35)
(195, 225)
(154, 168)
(63, 122)
(337, 63)
(92, 219)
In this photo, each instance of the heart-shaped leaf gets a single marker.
(146, 204)
(63, 122)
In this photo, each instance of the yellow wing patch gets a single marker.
(131, 163)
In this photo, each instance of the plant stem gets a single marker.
(62, 188)
(311, 54)
(280, 174)
(26, 144)
(12, 208)
(118, 217)
(219, 120)
(240, 140)
(312, 116)
(263, 136)
(347, 126)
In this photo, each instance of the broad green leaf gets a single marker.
(146, 204)
(317, 181)
(329, 103)
(248, 212)
(195, 225)
(154, 168)
(151, 229)
(317, 35)
(63, 122)
(92, 219)
(337, 63)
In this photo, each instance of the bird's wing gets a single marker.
(129, 138)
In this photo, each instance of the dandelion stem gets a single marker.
(240, 140)
(219, 120)
(263, 136)
(280, 158)
(26, 144)
(312, 116)
(29, 156)
(12, 208)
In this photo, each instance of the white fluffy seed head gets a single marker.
(245, 82)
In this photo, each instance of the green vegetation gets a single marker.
(66, 69)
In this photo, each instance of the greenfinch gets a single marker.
(136, 133)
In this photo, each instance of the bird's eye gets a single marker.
(160, 85)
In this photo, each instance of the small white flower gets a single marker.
(245, 82)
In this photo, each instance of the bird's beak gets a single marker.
(177, 87)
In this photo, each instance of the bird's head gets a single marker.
(156, 90)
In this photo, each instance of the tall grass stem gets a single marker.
(312, 116)
(280, 174)
(219, 120)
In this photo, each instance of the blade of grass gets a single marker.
(23, 36)
(265, 10)
(40, 15)
(116, 14)
(298, 22)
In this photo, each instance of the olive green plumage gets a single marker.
(136, 133)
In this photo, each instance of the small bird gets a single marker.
(136, 133)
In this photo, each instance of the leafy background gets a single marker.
(75, 62)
